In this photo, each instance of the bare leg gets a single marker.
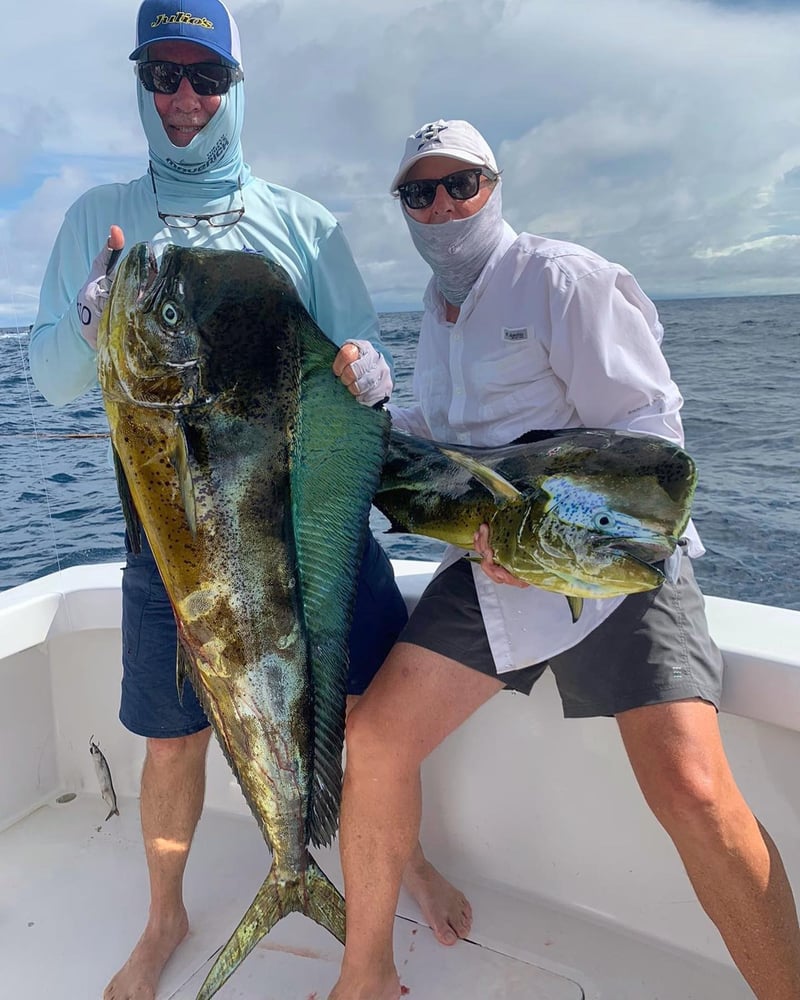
(446, 909)
(416, 699)
(677, 755)
(173, 787)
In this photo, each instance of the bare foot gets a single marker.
(446, 910)
(138, 978)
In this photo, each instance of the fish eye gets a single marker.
(170, 314)
(603, 520)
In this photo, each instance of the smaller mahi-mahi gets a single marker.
(581, 512)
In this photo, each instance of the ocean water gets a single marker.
(736, 360)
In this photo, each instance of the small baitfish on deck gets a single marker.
(103, 772)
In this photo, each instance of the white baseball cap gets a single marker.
(454, 138)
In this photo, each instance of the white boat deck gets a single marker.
(576, 890)
(74, 897)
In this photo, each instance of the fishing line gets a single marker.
(52, 437)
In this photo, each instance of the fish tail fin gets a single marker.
(324, 903)
(311, 893)
(114, 812)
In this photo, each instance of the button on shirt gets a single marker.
(551, 336)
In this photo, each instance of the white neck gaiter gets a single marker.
(457, 251)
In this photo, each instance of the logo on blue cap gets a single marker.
(183, 17)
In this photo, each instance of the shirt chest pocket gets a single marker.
(520, 389)
(516, 359)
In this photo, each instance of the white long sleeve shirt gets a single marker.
(550, 336)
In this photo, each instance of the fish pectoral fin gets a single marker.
(499, 487)
(132, 523)
(575, 607)
(310, 892)
(179, 458)
(183, 669)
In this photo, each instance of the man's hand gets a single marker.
(495, 572)
(93, 296)
(364, 371)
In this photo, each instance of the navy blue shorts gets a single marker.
(149, 703)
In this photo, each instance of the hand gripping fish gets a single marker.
(251, 470)
(103, 772)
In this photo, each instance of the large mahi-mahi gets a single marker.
(235, 447)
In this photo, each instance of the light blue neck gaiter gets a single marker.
(457, 251)
(209, 168)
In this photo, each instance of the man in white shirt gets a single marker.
(522, 333)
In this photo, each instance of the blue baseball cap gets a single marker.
(205, 22)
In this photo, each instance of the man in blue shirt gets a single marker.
(198, 191)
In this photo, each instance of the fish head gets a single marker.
(603, 529)
(148, 349)
(181, 331)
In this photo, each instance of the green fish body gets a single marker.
(234, 444)
(584, 513)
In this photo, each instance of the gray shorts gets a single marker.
(653, 648)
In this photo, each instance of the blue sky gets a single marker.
(665, 134)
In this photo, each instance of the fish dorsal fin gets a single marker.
(337, 455)
(179, 458)
(500, 488)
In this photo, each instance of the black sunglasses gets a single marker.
(207, 79)
(461, 185)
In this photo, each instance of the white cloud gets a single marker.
(662, 133)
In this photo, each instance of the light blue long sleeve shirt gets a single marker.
(288, 227)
